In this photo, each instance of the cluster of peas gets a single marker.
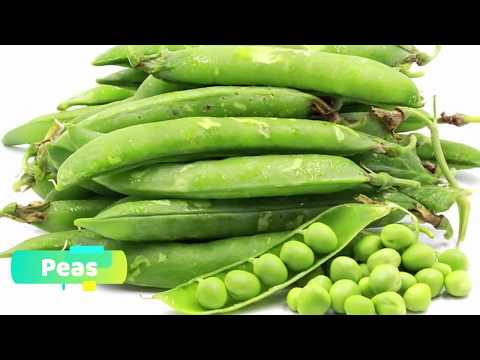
(376, 285)
(268, 270)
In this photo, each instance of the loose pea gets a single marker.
(292, 298)
(359, 305)
(270, 269)
(242, 285)
(344, 267)
(321, 280)
(397, 236)
(364, 270)
(417, 257)
(443, 268)
(365, 289)
(366, 246)
(297, 255)
(341, 291)
(408, 280)
(211, 293)
(389, 303)
(432, 278)
(313, 300)
(456, 259)
(458, 283)
(384, 278)
(418, 297)
(384, 256)
(320, 238)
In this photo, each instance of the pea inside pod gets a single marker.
(183, 298)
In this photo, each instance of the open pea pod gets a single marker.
(345, 220)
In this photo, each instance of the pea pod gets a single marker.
(35, 130)
(161, 265)
(130, 78)
(199, 220)
(100, 95)
(456, 153)
(199, 138)
(248, 177)
(330, 74)
(55, 216)
(46, 190)
(345, 220)
(118, 55)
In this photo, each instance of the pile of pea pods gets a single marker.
(231, 173)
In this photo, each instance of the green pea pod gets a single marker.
(345, 220)
(436, 198)
(118, 55)
(407, 166)
(153, 86)
(45, 188)
(35, 130)
(248, 177)
(99, 95)
(212, 137)
(55, 216)
(197, 220)
(330, 74)
(218, 101)
(129, 78)
(161, 265)
(456, 153)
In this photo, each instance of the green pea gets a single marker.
(384, 278)
(418, 297)
(344, 267)
(320, 238)
(211, 293)
(397, 236)
(458, 283)
(242, 285)
(364, 270)
(366, 246)
(313, 300)
(417, 257)
(321, 280)
(297, 255)
(359, 305)
(292, 298)
(389, 303)
(432, 278)
(341, 291)
(408, 280)
(384, 256)
(365, 289)
(270, 269)
(443, 268)
(456, 259)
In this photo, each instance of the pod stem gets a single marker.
(458, 119)
(384, 180)
(419, 57)
(406, 69)
(32, 213)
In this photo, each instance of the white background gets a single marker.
(33, 79)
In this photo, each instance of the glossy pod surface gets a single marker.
(199, 220)
(183, 299)
(162, 265)
(205, 137)
(130, 78)
(100, 95)
(332, 74)
(241, 177)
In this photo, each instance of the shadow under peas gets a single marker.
(467, 178)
